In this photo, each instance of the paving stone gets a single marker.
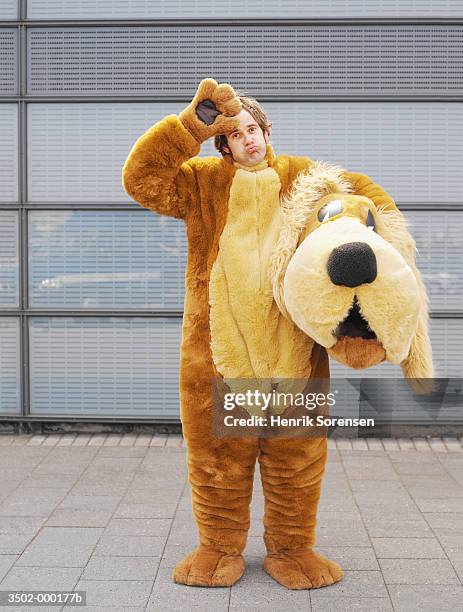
(41, 578)
(61, 547)
(84, 488)
(354, 584)
(97, 440)
(351, 557)
(158, 441)
(391, 445)
(158, 510)
(129, 546)
(426, 598)
(117, 464)
(443, 520)
(50, 481)
(121, 568)
(14, 544)
(32, 501)
(346, 532)
(108, 450)
(139, 527)
(440, 505)
(408, 548)
(418, 571)
(410, 467)
(84, 511)
(116, 593)
(20, 525)
(440, 491)
(380, 527)
(414, 457)
(112, 440)
(6, 562)
(81, 440)
(258, 592)
(351, 604)
(452, 543)
(171, 597)
(128, 439)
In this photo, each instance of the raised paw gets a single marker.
(209, 568)
(302, 569)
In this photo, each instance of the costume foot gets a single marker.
(302, 569)
(209, 568)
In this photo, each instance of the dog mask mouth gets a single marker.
(354, 325)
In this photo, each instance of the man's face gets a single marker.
(247, 144)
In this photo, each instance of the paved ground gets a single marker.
(110, 515)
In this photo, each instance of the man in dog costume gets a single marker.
(239, 323)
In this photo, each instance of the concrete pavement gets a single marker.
(110, 514)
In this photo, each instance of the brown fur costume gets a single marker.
(163, 174)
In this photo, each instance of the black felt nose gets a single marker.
(352, 264)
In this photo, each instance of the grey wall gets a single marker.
(91, 284)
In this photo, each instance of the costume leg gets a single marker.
(292, 491)
(221, 472)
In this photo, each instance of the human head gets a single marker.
(248, 144)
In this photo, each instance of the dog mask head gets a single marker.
(344, 271)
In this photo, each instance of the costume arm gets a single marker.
(159, 172)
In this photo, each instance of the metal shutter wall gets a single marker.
(439, 240)
(9, 9)
(263, 59)
(413, 150)
(10, 383)
(447, 346)
(76, 151)
(118, 367)
(8, 152)
(8, 61)
(9, 260)
(88, 259)
(270, 9)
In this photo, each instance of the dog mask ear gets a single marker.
(297, 207)
(418, 364)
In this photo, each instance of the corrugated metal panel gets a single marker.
(439, 240)
(105, 367)
(118, 259)
(76, 151)
(269, 9)
(8, 61)
(447, 346)
(8, 152)
(9, 9)
(9, 260)
(10, 383)
(264, 59)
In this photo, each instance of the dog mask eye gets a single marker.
(331, 209)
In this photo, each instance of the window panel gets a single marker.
(117, 367)
(9, 9)
(103, 259)
(363, 59)
(439, 240)
(10, 382)
(9, 260)
(8, 152)
(271, 9)
(8, 61)
(76, 151)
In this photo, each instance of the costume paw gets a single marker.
(209, 568)
(302, 569)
